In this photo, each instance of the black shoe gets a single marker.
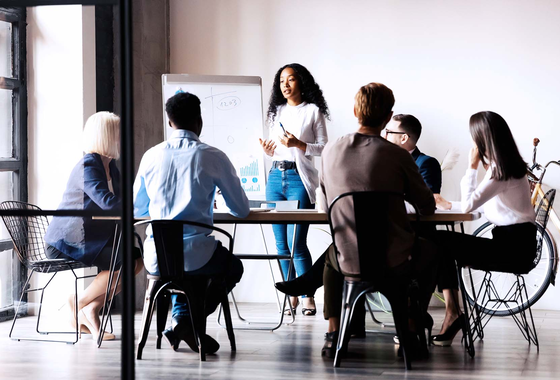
(447, 337)
(428, 325)
(297, 287)
(183, 331)
(172, 338)
(307, 283)
(329, 348)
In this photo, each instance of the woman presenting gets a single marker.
(94, 185)
(296, 118)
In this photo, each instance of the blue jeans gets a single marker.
(287, 186)
(223, 263)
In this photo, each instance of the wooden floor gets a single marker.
(292, 352)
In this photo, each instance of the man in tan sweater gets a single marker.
(365, 161)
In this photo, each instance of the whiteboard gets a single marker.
(232, 118)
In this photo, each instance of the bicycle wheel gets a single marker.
(537, 280)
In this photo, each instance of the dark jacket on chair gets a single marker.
(87, 189)
(430, 170)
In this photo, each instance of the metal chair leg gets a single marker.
(151, 291)
(281, 310)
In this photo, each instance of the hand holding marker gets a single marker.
(281, 126)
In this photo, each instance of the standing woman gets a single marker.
(296, 117)
(94, 185)
(505, 198)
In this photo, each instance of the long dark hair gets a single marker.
(310, 91)
(495, 143)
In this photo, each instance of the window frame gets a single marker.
(17, 164)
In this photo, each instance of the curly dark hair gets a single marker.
(310, 91)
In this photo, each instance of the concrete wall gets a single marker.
(151, 60)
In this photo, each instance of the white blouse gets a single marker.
(307, 124)
(502, 202)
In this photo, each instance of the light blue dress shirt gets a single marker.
(177, 179)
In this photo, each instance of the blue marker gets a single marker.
(281, 126)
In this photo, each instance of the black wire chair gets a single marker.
(489, 297)
(168, 239)
(27, 234)
(367, 215)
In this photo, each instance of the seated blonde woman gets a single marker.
(94, 185)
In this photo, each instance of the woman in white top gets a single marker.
(505, 198)
(296, 117)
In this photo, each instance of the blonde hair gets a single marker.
(101, 134)
(373, 105)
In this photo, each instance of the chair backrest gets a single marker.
(542, 214)
(168, 240)
(544, 207)
(27, 232)
(359, 223)
(278, 205)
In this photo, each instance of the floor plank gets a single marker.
(292, 352)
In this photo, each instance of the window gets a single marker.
(13, 144)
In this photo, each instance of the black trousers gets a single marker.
(223, 262)
(512, 249)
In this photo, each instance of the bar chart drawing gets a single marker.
(252, 188)
(251, 170)
(250, 177)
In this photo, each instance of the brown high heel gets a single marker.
(86, 324)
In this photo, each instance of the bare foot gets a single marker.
(72, 317)
(89, 317)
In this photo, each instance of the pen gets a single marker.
(281, 126)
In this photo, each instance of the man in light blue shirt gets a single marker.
(177, 179)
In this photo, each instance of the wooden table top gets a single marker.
(316, 217)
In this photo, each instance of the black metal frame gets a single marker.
(18, 162)
(173, 280)
(354, 288)
(124, 8)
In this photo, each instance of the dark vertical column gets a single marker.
(104, 58)
(127, 146)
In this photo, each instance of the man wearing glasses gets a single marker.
(404, 131)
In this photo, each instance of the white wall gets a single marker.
(444, 60)
(61, 90)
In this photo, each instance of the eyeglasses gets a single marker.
(386, 132)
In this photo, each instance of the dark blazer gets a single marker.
(87, 189)
(430, 170)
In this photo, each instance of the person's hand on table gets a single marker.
(268, 146)
(441, 203)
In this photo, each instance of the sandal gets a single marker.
(295, 304)
(309, 311)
